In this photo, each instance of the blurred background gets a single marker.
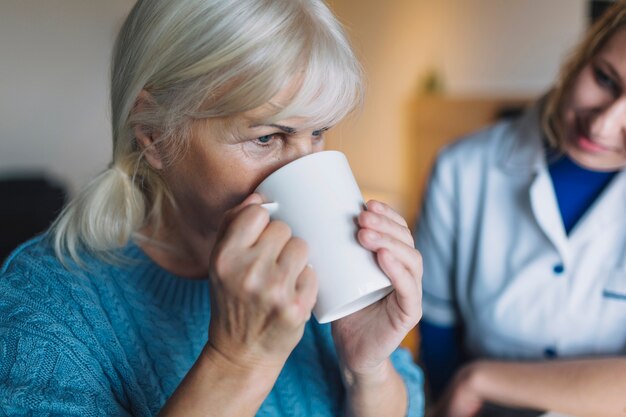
(436, 69)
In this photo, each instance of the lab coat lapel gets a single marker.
(608, 209)
(524, 154)
(546, 211)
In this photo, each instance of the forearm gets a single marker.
(576, 387)
(216, 387)
(382, 394)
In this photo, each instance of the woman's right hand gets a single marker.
(262, 291)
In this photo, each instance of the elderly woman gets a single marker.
(523, 235)
(164, 288)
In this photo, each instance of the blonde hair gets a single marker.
(202, 59)
(613, 20)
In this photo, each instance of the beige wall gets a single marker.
(481, 48)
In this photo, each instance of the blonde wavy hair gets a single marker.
(613, 20)
(201, 59)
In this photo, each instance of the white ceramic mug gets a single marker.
(318, 197)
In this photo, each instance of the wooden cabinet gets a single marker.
(437, 120)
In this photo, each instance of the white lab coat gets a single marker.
(498, 262)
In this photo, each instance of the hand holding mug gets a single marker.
(367, 338)
(318, 197)
(359, 255)
(262, 291)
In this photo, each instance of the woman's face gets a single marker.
(595, 113)
(228, 158)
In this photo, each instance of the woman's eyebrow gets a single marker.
(285, 129)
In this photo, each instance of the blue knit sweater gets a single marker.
(117, 338)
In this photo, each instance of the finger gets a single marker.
(407, 255)
(281, 262)
(407, 291)
(246, 227)
(229, 216)
(384, 209)
(307, 288)
(304, 298)
(292, 261)
(272, 240)
(385, 225)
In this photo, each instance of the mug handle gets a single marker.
(271, 207)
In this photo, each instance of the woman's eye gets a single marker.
(319, 133)
(265, 140)
(605, 80)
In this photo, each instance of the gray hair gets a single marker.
(202, 59)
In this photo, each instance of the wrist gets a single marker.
(262, 374)
(212, 382)
(242, 360)
(379, 391)
(372, 378)
(472, 379)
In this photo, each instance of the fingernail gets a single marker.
(372, 235)
(374, 206)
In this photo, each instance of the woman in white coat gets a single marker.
(523, 237)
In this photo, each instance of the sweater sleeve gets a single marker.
(38, 378)
(43, 371)
(413, 380)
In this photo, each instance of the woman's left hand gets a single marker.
(461, 398)
(366, 339)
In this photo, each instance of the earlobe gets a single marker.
(145, 135)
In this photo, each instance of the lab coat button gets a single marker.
(550, 353)
(558, 269)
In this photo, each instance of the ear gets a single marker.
(146, 136)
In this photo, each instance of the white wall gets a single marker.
(54, 65)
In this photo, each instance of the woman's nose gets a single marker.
(294, 149)
(611, 121)
(300, 147)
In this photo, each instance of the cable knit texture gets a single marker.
(116, 339)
